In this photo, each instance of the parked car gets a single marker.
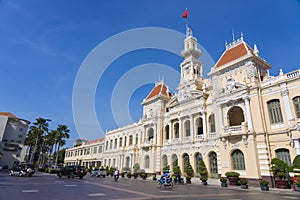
(72, 171)
(99, 172)
(23, 169)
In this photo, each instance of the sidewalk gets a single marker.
(216, 183)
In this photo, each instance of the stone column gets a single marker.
(204, 124)
(170, 131)
(221, 123)
(154, 133)
(296, 145)
(192, 126)
(286, 102)
(180, 129)
(248, 113)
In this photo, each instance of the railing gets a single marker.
(213, 135)
(188, 138)
(233, 129)
(176, 140)
(166, 141)
(200, 137)
(293, 74)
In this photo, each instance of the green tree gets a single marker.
(188, 168)
(62, 133)
(35, 134)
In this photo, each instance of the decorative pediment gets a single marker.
(172, 102)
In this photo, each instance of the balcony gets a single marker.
(200, 137)
(213, 135)
(176, 140)
(235, 129)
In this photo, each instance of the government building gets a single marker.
(238, 119)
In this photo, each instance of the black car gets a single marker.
(72, 171)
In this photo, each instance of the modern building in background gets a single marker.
(13, 132)
(236, 120)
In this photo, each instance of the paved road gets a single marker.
(50, 187)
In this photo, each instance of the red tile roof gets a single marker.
(159, 89)
(8, 114)
(234, 53)
(95, 141)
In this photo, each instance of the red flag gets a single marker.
(185, 14)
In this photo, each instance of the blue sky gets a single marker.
(43, 44)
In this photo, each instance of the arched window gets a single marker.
(187, 129)
(164, 160)
(212, 124)
(186, 158)
(147, 162)
(150, 134)
(130, 140)
(167, 132)
(120, 142)
(236, 116)
(275, 111)
(110, 144)
(284, 154)
(199, 126)
(198, 157)
(237, 159)
(176, 130)
(106, 145)
(174, 160)
(296, 102)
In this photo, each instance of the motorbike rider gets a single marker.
(165, 176)
(116, 175)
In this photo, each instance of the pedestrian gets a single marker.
(116, 174)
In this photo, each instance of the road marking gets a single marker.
(288, 197)
(30, 190)
(71, 185)
(97, 195)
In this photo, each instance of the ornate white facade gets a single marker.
(238, 119)
(13, 132)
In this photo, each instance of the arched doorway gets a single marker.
(213, 165)
(198, 157)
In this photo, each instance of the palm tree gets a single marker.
(62, 132)
(39, 128)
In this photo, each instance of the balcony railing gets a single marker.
(235, 129)
(213, 135)
(176, 140)
(199, 137)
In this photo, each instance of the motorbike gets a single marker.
(165, 182)
(116, 177)
(22, 170)
(26, 172)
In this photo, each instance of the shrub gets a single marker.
(144, 175)
(154, 177)
(263, 182)
(203, 178)
(136, 167)
(202, 168)
(165, 168)
(232, 174)
(188, 168)
(126, 169)
(243, 181)
(223, 179)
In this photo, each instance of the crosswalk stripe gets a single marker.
(30, 190)
(97, 195)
